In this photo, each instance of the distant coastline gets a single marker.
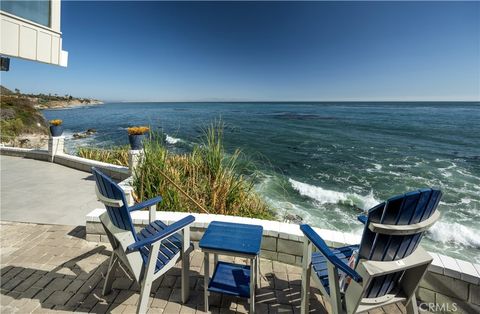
(62, 104)
(21, 118)
(44, 101)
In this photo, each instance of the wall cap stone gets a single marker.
(42, 154)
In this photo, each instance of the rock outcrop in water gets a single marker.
(85, 134)
(293, 218)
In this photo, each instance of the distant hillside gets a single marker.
(44, 101)
(18, 116)
(5, 91)
(21, 122)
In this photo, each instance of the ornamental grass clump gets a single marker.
(116, 155)
(138, 130)
(56, 122)
(207, 174)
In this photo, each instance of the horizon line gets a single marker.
(278, 101)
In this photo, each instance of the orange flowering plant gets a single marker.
(138, 130)
(55, 122)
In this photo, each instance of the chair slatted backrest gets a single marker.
(406, 209)
(119, 216)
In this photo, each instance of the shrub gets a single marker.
(19, 116)
(207, 174)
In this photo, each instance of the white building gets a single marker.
(31, 30)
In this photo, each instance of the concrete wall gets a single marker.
(451, 283)
(25, 153)
(75, 162)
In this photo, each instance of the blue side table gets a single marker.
(238, 240)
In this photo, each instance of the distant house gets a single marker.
(31, 30)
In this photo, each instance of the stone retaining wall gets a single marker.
(451, 283)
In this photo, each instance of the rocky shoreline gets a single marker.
(61, 104)
(22, 122)
(28, 140)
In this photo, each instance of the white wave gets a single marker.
(324, 196)
(172, 140)
(464, 173)
(454, 233)
(465, 200)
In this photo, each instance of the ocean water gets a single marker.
(326, 162)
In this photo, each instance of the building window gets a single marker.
(35, 11)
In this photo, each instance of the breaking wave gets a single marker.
(454, 233)
(172, 140)
(324, 196)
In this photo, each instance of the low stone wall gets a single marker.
(83, 164)
(25, 153)
(454, 294)
(451, 283)
(281, 242)
(75, 162)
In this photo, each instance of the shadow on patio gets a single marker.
(48, 267)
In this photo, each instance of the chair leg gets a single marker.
(335, 297)
(112, 266)
(257, 271)
(185, 277)
(253, 270)
(411, 306)
(206, 278)
(307, 270)
(144, 295)
(185, 264)
(146, 284)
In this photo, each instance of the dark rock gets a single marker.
(292, 218)
(85, 134)
(24, 141)
(77, 136)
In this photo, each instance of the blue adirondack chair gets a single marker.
(390, 262)
(147, 254)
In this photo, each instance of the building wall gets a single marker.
(29, 40)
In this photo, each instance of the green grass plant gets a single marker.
(115, 155)
(215, 179)
(208, 174)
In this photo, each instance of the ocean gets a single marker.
(326, 162)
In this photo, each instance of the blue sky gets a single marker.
(157, 51)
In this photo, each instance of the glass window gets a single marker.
(35, 11)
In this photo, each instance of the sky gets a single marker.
(262, 51)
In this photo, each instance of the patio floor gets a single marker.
(51, 268)
(28, 187)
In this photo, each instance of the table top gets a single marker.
(232, 238)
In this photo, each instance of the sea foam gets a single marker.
(172, 140)
(447, 232)
(324, 196)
